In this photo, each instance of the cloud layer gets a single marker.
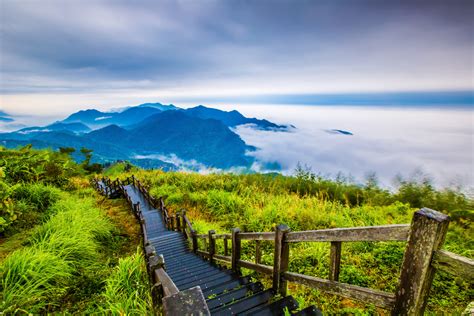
(70, 53)
(385, 141)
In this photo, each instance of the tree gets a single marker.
(87, 154)
(67, 150)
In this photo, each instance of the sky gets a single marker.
(60, 56)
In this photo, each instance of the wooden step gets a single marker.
(245, 304)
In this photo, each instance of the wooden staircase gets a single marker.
(192, 283)
(226, 292)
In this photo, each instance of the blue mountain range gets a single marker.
(143, 133)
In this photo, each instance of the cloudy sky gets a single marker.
(59, 56)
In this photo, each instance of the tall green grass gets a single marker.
(32, 279)
(35, 278)
(127, 290)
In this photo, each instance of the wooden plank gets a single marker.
(202, 253)
(257, 236)
(378, 298)
(367, 233)
(427, 233)
(222, 236)
(452, 263)
(223, 258)
(262, 268)
(169, 288)
(335, 260)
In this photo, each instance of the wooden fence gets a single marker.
(423, 255)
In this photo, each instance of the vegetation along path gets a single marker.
(195, 285)
(191, 283)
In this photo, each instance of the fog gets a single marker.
(387, 141)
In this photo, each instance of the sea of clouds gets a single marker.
(387, 141)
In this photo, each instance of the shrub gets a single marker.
(38, 195)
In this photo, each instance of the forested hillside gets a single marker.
(63, 248)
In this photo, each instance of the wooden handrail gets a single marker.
(169, 288)
(452, 263)
(257, 236)
(378, 298)
(367, 233)
(222, 236)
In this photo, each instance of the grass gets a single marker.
(127, 290)
(75, 260)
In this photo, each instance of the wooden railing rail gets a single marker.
(454, 264)
(368, 233)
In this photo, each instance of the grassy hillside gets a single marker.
(63, 248)
(259, 202)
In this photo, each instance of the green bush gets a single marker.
(38, 195)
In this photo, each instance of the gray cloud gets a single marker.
(234, 46)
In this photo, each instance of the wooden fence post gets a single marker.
(172, 222)
(226, 247)
(428, 231)
(178, 222)
(280, 259)
(185, 225)
(212, 246)
(335, 257)
(258, 252)
(195, 242)
(235, 250)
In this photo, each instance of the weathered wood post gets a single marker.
(195, 241)
(258, 252)
(226, 246)
(172, 223)
(133, 179)
(280, 259)
(427, 234)
(185, 224)
(178, 222)
(335, 257)
(212, 245)
(236, 244)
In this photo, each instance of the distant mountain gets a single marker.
(232, 118)
(57, 127)
(159, 106)
(152, 135)
(205, 140)
(173, 132)
(99, 119)
(102, 151)
(208, 142)
(4, 117)
(109, 134)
